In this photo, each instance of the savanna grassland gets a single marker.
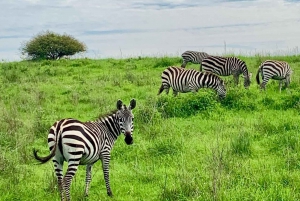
(191, 147)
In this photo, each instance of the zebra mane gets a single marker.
(107, 114)
(212, 74)
(215, 76)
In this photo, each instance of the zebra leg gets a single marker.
(72, 168)
(287, 81)
(175, 93)
(193, 89)
(183, 65)
(264, 82)
(105, 167)
(88, 178)
(160, 89)
(280, 85)
(58, 167)
(163, 87)
(167, 90)
(236, 79)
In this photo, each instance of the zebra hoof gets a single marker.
(109, 193)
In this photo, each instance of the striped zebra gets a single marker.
(277, 70)
(84, 143)
(226, 66)
(193, 56)
(186, 80)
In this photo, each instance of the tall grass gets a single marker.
(191, 147)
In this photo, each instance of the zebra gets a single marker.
(193, 56)
(84, 143)
(226, 66)
(186, 80)
(277, 70)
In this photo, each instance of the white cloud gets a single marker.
(151, 27)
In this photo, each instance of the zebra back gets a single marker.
(193, 57)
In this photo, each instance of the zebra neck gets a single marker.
(245, 71)
(112, 125)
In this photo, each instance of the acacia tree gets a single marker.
(50, 45)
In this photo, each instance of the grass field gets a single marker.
(191, 147)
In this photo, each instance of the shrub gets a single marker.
(50, 45)
(239, 100)
(186, 105)
(166, 61)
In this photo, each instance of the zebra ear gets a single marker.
(119, 104)
(132, 104)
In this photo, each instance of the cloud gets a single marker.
(148, 27)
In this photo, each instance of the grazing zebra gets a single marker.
(84, 143)
(225, 66)
(192, 56)
(186, 80)
(277, 70)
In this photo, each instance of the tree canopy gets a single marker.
(50, 45)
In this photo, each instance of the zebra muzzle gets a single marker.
(128, 138)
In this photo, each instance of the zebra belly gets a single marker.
(84, 160)
(275, 77)
(218, 71)
(225, 73)
(183, 89)
(77, 150)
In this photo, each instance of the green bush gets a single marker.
(166, 61)
(186, 105)
(239, 100)
(50, 45)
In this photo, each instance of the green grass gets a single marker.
(191, 147)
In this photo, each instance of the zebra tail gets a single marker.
(161, 89)
(46, 158)
(257, 75)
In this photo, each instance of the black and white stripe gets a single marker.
(226, 66)
(193, 56)
(277, 70)
(189, 80)
(84, 143)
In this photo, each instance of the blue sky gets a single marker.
(130, 28)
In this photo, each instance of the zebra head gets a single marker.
(221, 89)
(125, 119)
(247, 80)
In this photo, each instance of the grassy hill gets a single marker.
(191, 147)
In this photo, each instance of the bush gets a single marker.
(50, 45)
(186, 105)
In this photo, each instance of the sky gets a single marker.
(132, 28)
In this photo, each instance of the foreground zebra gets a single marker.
(193, 56)
(226, 66)
(277, 70)
(186, 80)
(84, 143)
